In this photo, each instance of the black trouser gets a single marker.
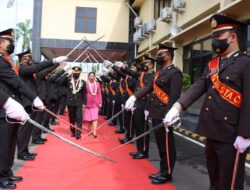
(75, 117)
(24, 134)
(8, 139)
(160, 135)
(129, 124)
(62, 105)
(121, 118)
(54, 107)
(37, 133)
(141, 126)
(112, 110)
(220, 159)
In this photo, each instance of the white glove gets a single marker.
(38, 103)
(67, 68)
(60, 59)
(107, 63)
(14, 110)
(130, 103)
(241, 144)
(146, 112)
(105, 71)
(172, 114)
(119, 64)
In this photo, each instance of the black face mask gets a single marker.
(76, 75)
(160, 60)
(10, 48)
(219, 46)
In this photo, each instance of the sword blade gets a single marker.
(68, 141)
(61, 119)
(138, 137)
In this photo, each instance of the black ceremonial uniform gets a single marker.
(105, 102)
(41, 80)
(120, 99)
(140, 122)
(221, 121)
(13, 86)
(75, 101)
(26, 73)
(169, 80)
(114, 97)
(3, 98)
(223, 116)
(128, 85)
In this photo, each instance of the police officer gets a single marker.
(26, 73)
(224, 117)
(76, 99)
(166, 89)
(13, 86)
(121, 100)
(41, 80)
(140, 120)
(129, 88)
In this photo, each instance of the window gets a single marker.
(196, 57)
(159, 5)
(85, 20)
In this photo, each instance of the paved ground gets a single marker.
(190, 171)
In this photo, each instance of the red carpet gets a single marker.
(60, 166)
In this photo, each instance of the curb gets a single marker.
(197, 137)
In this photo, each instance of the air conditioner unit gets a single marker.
(166, 14)
(179, 6)
(151, 25)
(175, 29)
(137, 37)
(140, 36)
(137, 22)
(145, 31)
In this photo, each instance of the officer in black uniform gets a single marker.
(140, 120)
(76, 99)
(114, 97)
(13, 86)
(224, 118)
(122, 100)
(166, 89)
(26, 73)
(129, 88)
(41, 80)
(105, 83)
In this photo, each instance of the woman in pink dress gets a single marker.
(94, 102)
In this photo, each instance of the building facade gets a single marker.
(59, 25)
(185, 25)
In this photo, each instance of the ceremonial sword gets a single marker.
(68, 141)
(62, 138)
(176, 120)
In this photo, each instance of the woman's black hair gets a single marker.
(91, 73)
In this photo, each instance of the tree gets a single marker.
(24, 31)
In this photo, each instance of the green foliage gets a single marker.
(186, 82)
(24, 31)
